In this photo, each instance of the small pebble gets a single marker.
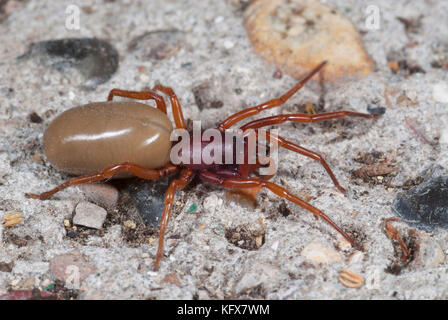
(71, 95)
(102, 194)
(356, 257)
(430, 253)
(15, 282)
(157, 45)
(440, 92)
(28, 283)
(412, 95)
(89, 215)
(219, 19)
(444, 136)
(129, 224)
(316, 253)
(144, 78)
(6, 267)
(297, 35)
(34, 118)
(228, 44)
(343, 244)
(374, 109)
(44, 284)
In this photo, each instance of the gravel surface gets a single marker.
(217, 247)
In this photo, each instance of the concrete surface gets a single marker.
(205, 264)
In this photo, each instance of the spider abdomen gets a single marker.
(89, 138)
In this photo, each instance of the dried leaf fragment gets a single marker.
(392, 233)
(373, 170)
(171, 278)
(350, 279)
(393, 65)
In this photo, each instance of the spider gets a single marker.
(130, 138)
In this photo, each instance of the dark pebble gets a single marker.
(95, 59)
(426, 205)
(148, 198)
(35, 118)
(72, 234)
(157, 45)
(6, 267)
(374, 109)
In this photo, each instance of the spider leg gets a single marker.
(282, 142)
(185, 177)
(175, 105)
(303, 117)
(139, 95)
(249, 112)
(236, 183)
(147, 95)
(147, 174)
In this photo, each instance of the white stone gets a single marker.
(89, 215)
(228, 44)
(219, 19)
(440, 92)
(444, 136)
(356, 257)
(71, 95)
(317, 253)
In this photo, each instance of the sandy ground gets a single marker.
(199, 260)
